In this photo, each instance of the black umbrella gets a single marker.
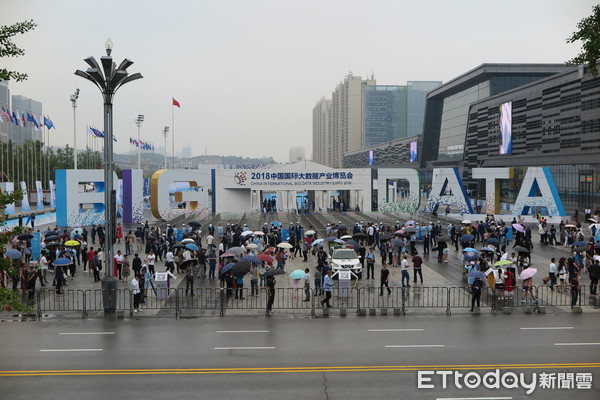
(467, 238)
(187, 263)
(443, 239)
(25, 236)
(273, 272)
(410, 229)
(342, 227)
(579, 249)
(50, 244)
(521, 249)
(241, 268)
(385, 236)
(194, 224)
(397, 242)
(51, 233)
(359, 235)
(51, 238)
(178, 246)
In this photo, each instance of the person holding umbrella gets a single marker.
(527, 277)
(270, 292)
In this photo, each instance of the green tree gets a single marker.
(9, 49)
(589, 33)
(9, 300)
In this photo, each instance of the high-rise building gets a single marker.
(297, 154)
(393, 112)
(345, 121)
(186, 152)
(321, 132)
(24, 105)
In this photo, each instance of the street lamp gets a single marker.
(108, 78)
(74, 98)
(165, 132)
(138, 122)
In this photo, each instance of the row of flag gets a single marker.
(21, 119)
(141, 145)
(98, 133)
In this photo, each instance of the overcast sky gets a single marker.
(248, 73)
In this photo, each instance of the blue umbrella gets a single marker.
(276, 223)
(297, 274)
(316, 242)
(579, 243)
(62, 261)
(467, 238)
(475, 274)
(470, 249)
(470, 256)
(227, 268)
(493, 241)
(191, 246)
(353, 243)
(487, 249)
(331, 239)
(13, 253)
(253, 259)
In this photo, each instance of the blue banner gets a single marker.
(36, 246)
(179, 235)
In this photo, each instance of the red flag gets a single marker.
(176, 103)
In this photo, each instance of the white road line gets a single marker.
(547, 328)
(577, 344)
(243, 331)
(413, 345)
(86, 333)
(474, 398)
(396, 330)
(55, 350)
(244, 348)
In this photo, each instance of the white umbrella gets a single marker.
(309, 232)
(259, 233)
(188, 240)
(466, 221)
(252, 246)
(346, 237)
(285, 245)
(247, 233)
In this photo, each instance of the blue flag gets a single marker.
(48, 123)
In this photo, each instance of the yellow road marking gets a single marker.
(267, 370)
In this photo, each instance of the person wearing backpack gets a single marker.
(476, 292)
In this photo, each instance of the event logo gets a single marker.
(240, 178)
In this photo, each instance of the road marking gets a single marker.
(474, 398)
(577, 344)
(376, 368)
(54, 350)
(244, 348)
(547, 327)
(395, 330)
(414, 345)
(243, 331)
(86, 333)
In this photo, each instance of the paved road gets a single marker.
(291, 358)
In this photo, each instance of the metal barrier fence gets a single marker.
(213, 301)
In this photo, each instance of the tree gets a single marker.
(589, 33)
(9, 299)
(9, 49)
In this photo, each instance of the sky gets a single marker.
(248, 73)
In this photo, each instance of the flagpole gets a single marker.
(173, 133)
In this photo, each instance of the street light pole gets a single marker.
(108, 78)
(74, 97)
(165, 132)
(138, 122)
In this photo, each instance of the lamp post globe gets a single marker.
(108, 77)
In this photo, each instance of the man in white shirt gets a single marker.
(170, 260)
(119, 262)
(150, 260)
(210, 241)
(552, 273)
(44, 264)
(404, 269)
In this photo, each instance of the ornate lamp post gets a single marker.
(138, 122)
(108, 78)
(165, 133)
(74, 98)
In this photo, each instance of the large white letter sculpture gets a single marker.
(414, 184)
(447, 188)
(492, 178)
(539, 178)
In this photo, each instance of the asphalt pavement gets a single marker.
(298, 358)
